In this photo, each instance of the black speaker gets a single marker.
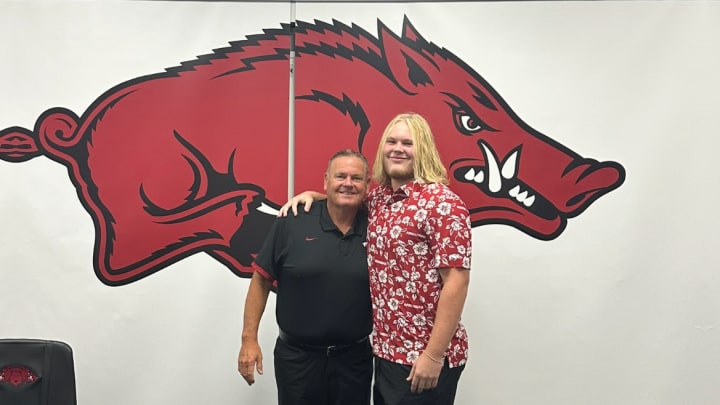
(36, 372)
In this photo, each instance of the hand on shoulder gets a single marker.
(306, 197)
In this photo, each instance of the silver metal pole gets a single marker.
(291, 107)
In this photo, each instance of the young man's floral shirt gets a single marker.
(412, 233)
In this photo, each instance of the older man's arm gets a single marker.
(250, 356)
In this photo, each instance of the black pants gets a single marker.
(392, 388)
(315, 378)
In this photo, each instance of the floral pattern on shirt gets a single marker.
(412, 232)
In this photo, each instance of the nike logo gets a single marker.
(308, 239)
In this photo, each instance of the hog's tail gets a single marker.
(17, 145)
(57, 132)
(55, 135)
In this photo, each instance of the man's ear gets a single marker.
(325, 182)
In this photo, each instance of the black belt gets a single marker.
(329, 350)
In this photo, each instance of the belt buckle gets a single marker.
(329, 350)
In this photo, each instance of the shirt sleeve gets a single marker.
(270, 258)
(448, 230)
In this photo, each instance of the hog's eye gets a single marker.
(467, 124)
(466, 121)
(470, 124)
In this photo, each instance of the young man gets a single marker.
(419, 259)
(322, 354)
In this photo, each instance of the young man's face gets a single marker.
(346, 182)
(399, 155)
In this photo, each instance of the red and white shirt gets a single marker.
(413, 232)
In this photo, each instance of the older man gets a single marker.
(322, 354)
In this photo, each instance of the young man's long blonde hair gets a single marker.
(427, 166)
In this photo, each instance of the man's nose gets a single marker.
(347, 181)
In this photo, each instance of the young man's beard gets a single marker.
(400, 174)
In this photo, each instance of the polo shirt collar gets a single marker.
(327, 224)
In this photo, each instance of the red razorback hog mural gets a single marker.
(194, 159)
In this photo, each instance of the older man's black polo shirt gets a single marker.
(323, 294)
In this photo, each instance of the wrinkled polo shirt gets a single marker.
(411, 233)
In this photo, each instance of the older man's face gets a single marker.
(346, 182)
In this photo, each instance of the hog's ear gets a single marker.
(409, 31)
(410, 69)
